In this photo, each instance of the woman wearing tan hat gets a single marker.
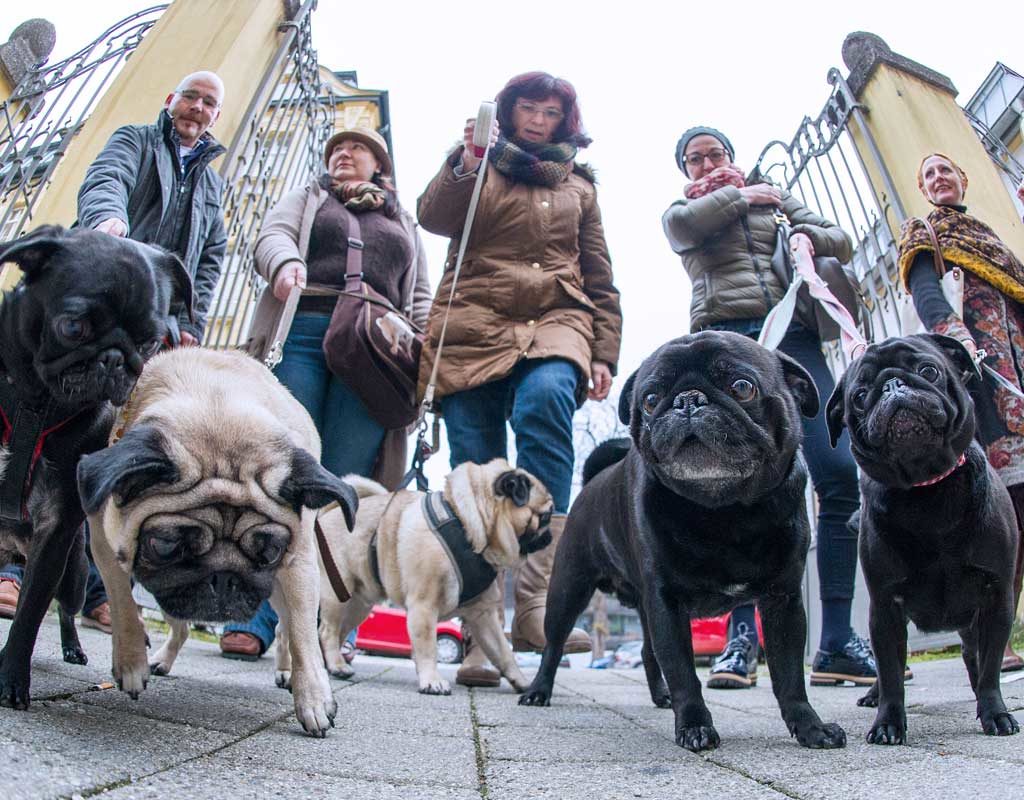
(304, 242)
(992, 319)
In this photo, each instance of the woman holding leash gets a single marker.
(724, 230)
(992, 320)
(535, 315)
(304, 242)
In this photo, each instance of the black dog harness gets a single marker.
(474, 572)
(25, 428)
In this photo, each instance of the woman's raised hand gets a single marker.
(469, 160)
(291, 274)
(762, 194)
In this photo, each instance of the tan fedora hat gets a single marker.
(367, 136)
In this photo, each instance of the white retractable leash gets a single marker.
(481, 147)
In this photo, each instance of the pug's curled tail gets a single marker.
(605, 455)
(364, 486)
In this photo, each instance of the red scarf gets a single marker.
(726, 175)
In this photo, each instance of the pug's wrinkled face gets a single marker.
(907, 407)
(93, 309)
(715, 416)
(206, 535)
(529, 507)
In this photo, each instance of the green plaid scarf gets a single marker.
(357, 196)
(539, 164)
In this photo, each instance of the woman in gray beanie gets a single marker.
(724, 230)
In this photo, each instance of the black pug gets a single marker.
(938, 533)
(74, 334)
(704, 512)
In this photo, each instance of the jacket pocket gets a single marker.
(576, 294)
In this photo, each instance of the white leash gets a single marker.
(481, 139)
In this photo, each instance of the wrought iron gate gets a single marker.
(49, 107)
(278, 146)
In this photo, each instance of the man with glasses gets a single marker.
(153, 183)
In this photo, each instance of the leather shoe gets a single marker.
(476, 669)
(241, 646)
(1011, 661)
(9, 591)
(98, 618)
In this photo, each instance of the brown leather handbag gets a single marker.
(373, 346)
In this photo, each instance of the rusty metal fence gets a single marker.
(49, 107)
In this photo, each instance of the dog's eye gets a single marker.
(74, 329)
(163, 548)
(743, 390)
(929, 372)
(859, 399)
(651, 402)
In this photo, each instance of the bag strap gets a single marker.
(940, 262)
(354, 254)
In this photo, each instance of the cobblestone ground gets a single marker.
(219, 728)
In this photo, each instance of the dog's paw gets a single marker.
(519, 686)
(870, 698)
(75, 655)
(131, 676)
(159, 668)
(698, 737)
(821, 736)
(999, 724)
(283, 679)
(14, 691)
(536, 697)
(889, 727)
(437, 686)
(343, 672)
(315, 706)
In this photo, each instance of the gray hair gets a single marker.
(206, 75)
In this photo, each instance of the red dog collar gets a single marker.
(931, 481)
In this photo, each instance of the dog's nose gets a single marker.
(112, 359)
(691, 401)
(225, 583)
(892, 386)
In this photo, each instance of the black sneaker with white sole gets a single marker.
(736, 668)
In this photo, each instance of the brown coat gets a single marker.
(536, 281)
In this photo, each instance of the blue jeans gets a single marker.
(350, 437)
(539, 398)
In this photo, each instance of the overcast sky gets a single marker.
(644, 72)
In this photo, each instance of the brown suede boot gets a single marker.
(531, 597)
(476, 669)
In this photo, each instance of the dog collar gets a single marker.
(932, 481)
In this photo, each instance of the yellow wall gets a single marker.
(910, 118)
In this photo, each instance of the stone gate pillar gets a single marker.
(909, 111)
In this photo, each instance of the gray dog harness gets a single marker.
(25, 428)
(474, 572)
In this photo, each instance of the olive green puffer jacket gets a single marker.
(726, 247)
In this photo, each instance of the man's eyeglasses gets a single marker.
(192, 95)
(550, 113)
(717, 156)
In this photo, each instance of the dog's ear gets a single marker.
(514, 485)
(835, 411)
(801, 384)
(34, 250)
(125, 469)
(626, 399)
(310, 485)
(958, 354)
(171, 272)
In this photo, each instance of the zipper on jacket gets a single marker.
(757, 265)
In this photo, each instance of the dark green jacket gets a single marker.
(726, 247)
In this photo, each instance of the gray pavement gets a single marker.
(219, 728)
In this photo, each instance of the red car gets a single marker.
(385, 632)
(709, 635)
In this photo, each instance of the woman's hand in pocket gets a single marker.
(291, 274)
